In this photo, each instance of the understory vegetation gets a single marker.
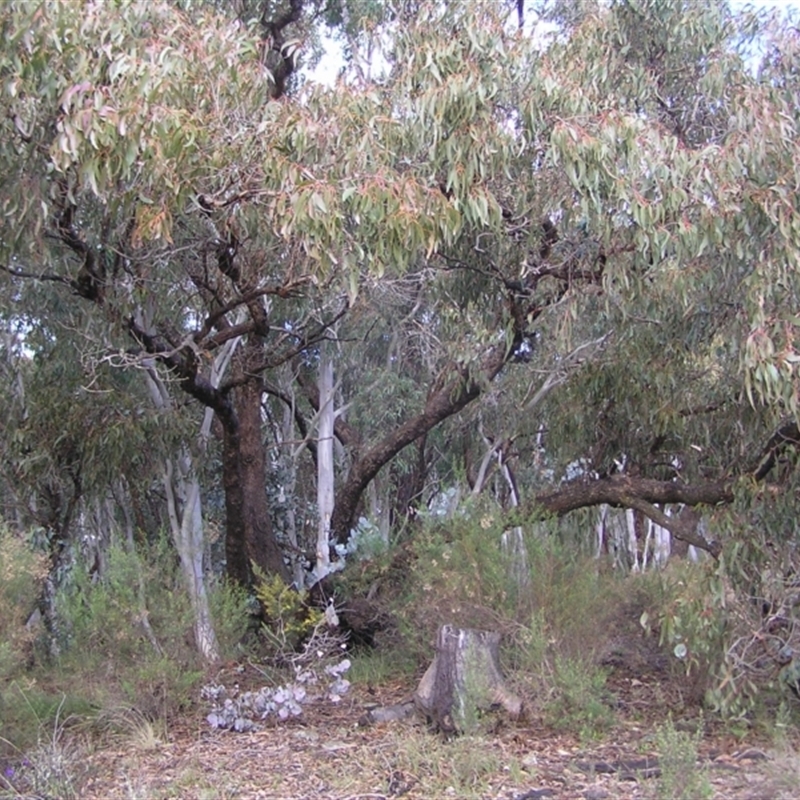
(574, 632)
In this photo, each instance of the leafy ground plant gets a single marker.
(580, 700)
(681, 778)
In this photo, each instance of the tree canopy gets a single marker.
(582, 238)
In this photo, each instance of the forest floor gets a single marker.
(327, 755)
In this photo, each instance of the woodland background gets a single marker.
(499, 329)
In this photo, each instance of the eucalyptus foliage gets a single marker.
(625, 178)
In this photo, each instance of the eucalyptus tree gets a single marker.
(70, 458)
(165, 186)
(650, 152)
(117, 128)
(678, 145)
(630, 244)
(601, 221)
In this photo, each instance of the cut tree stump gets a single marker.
(463, 680)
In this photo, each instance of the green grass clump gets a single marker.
(41, 755)
(681, 778)
(578, 698)
(377, 667)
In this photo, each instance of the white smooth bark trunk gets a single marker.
(633, 542)
(659, 540)
(286, 434)
(186, 525)
(380, 507)
(185, 511)
(617, 529)
(513, 541)
(325, 473)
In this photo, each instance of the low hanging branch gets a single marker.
(643, 494)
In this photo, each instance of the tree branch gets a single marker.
(214, 318)
(675, 525)
(345, 433)
(642, 494)
(788, 435)
(41, 276)
(450, 397)
(299, 419)
(280, 62)
(183, 364)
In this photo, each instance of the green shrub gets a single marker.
(718, 638)
(554, 621)
(578, 698)
(230, 612)
(287, 617)
(461, 575)
(680, 778)
(129, 635)
(128, 643)
(110, 611)
(458, 575)
(573, 598)
(692, 622)
(22, 575)
(462, 561)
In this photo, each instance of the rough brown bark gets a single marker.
(249, 535)
(237, 565)
(260, 543)
(641, 494)
(618, 489)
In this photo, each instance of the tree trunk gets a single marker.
(616, 529)
(454, 394)
(237, 565)
(464, 680)
(249, 536)
(285, 435)
(325, 476)
(185, 514)
(186, 523)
